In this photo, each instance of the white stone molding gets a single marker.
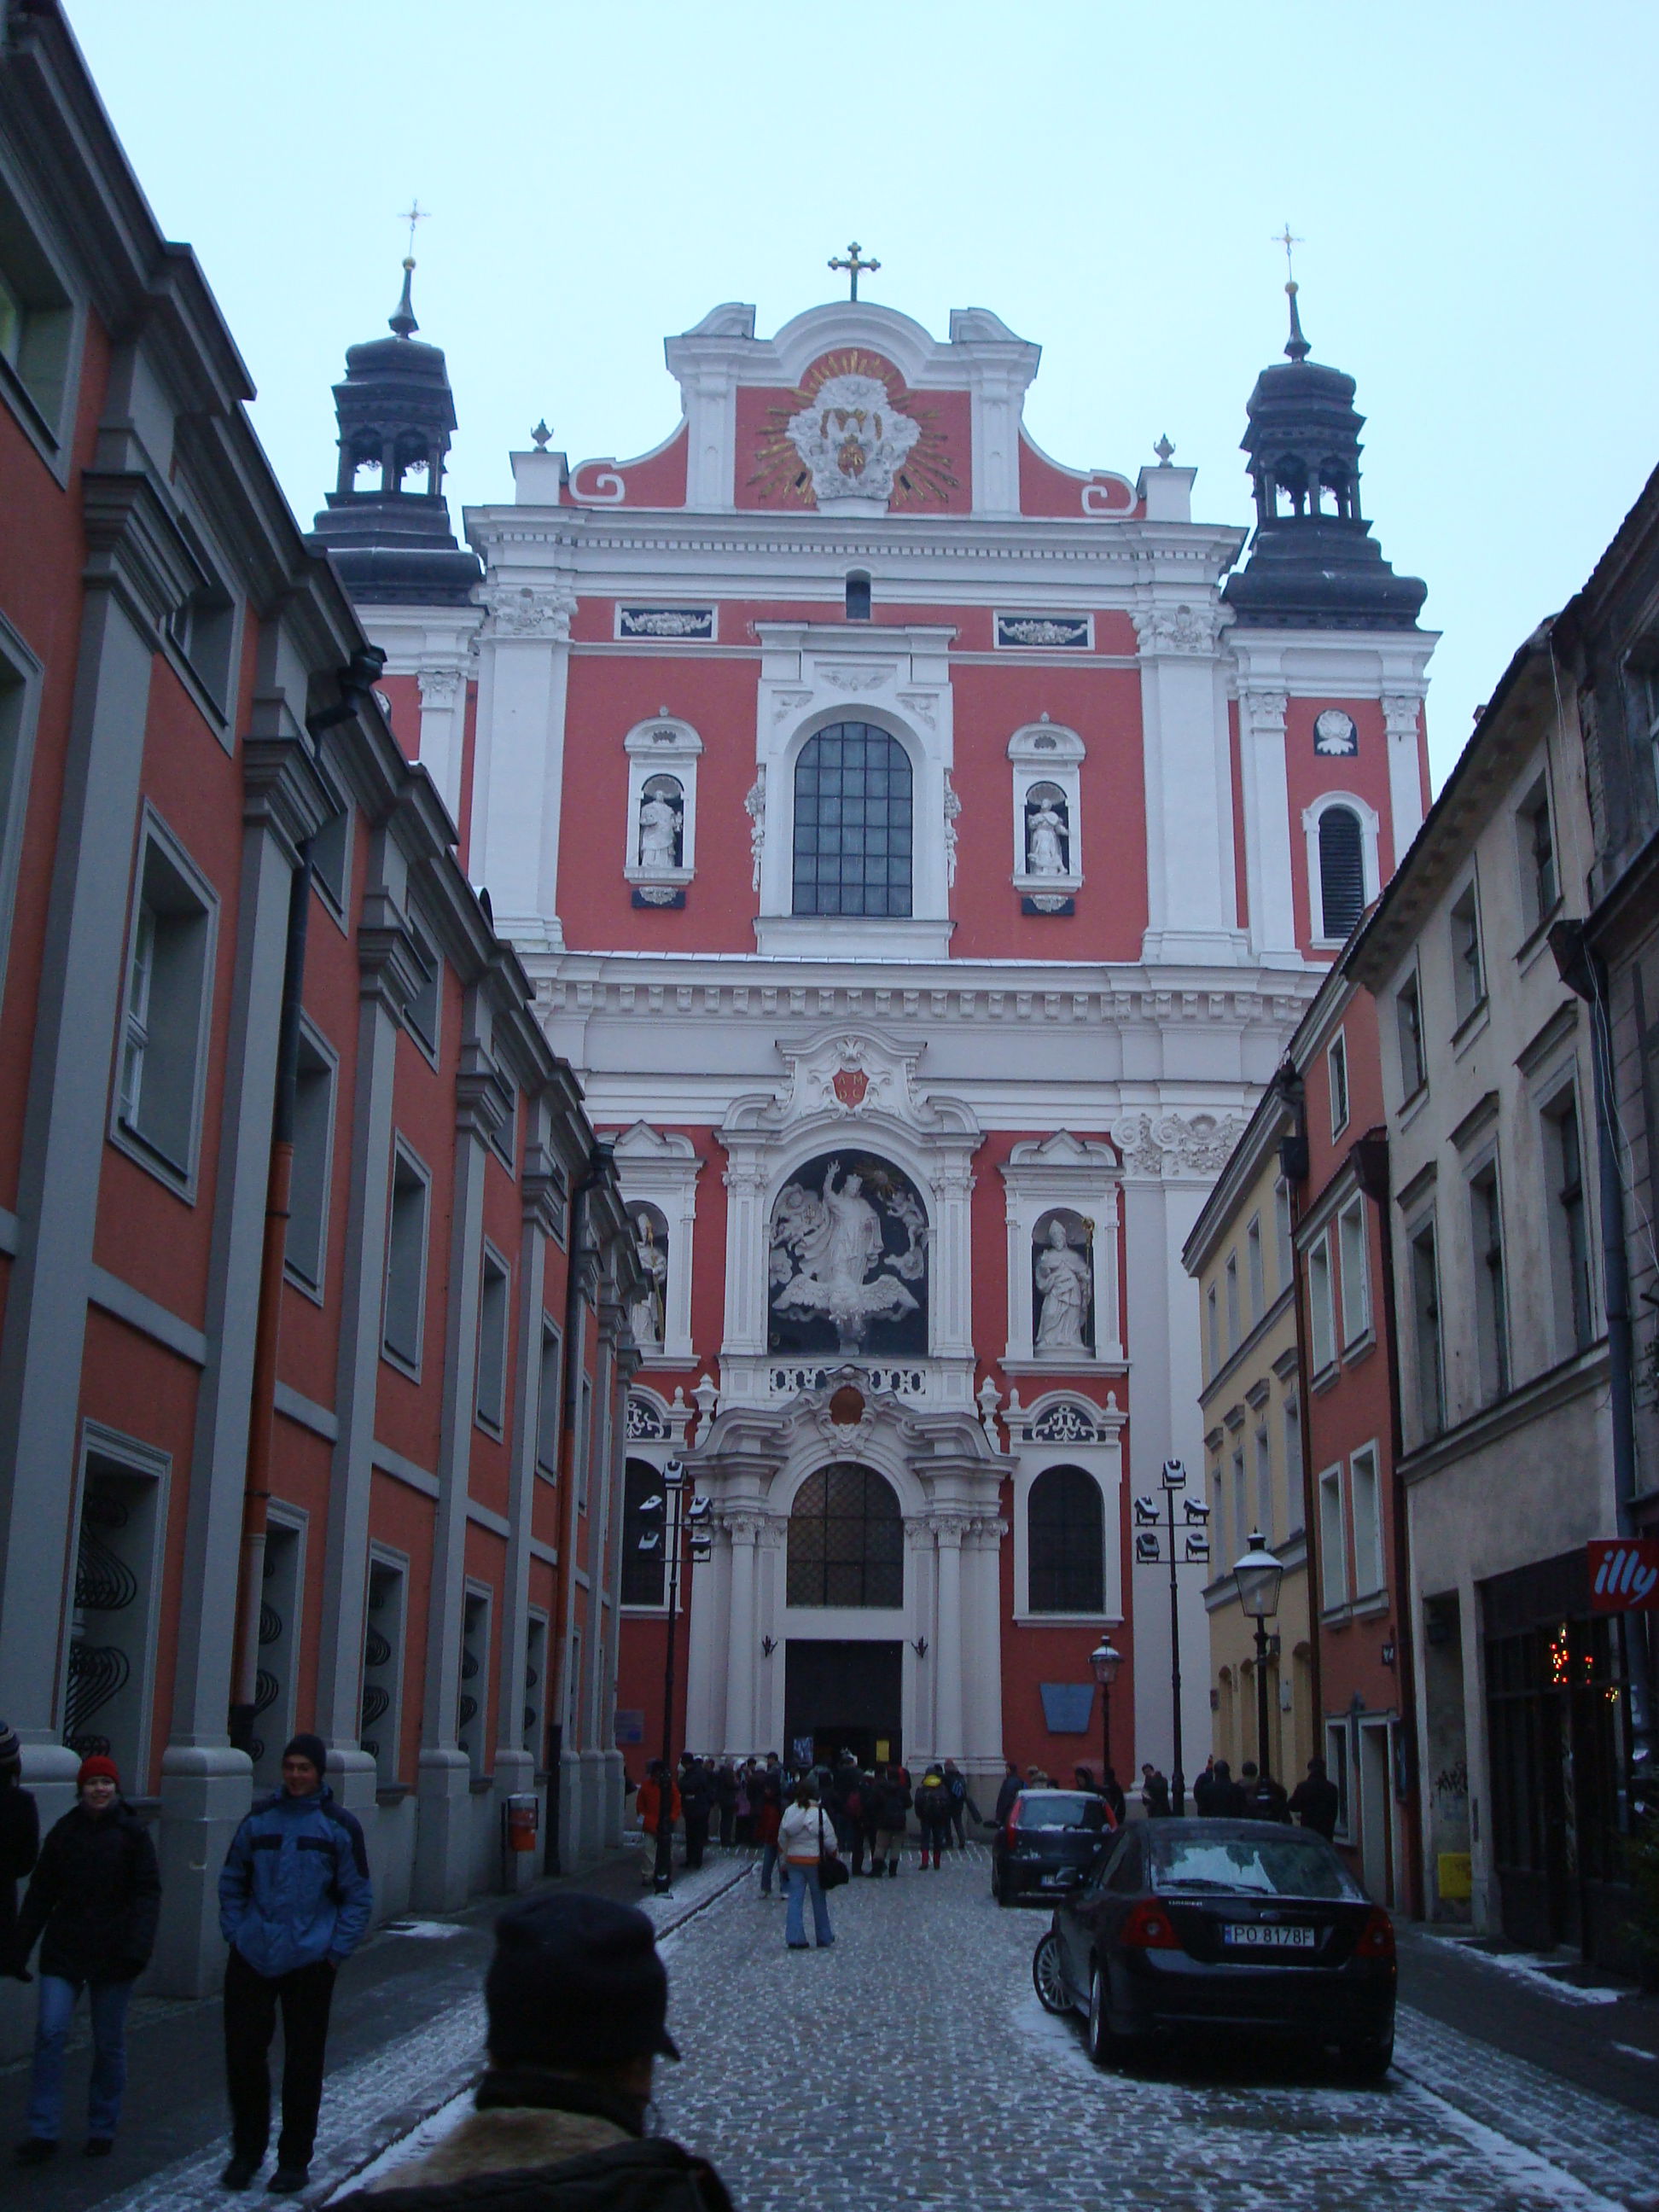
(1370, 823)
(527, 610)
(665, 747)
(660, 1168)
(1082, 1177)
(952, 811)
(1401, 714)
(1192, 915)
(898, 678)
(754, 805)
(523, 674)
(1064, 1429)
(1177, 1147)
(1045, 752)
(1185, 627)
(1264, 780)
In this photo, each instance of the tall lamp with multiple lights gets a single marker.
(1256, 1578)
(1105, 1660)
(1159, 1542)
(673, 1524)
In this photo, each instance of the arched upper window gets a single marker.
(846, 1539)
(642, 1571)
(853, 822)
(1341, 870)
(1065, 1524)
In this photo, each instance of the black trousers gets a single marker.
(697, 1837)
(250, 2003)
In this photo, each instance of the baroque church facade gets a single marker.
(922, 849)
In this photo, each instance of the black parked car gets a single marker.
(1228, 1924)
(1047, 1844)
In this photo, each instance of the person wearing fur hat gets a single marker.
(93, 1904)
(294, 1902)
(20, 1833)
(577, 1998)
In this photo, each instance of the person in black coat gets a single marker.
(93, 1903)
(1317, 1801)
(696, 1803)
(1226, 1800)
(19, 1835)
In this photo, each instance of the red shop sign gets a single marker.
(1623, 1573)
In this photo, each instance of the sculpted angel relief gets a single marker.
(849, 1260)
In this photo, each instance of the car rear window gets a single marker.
(1061, 1809)
(1274, 1865)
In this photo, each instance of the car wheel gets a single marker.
(1104, 2047)
(999, 1886)
(1049, 1976)
(1367, 2062)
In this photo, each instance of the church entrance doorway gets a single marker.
(842, 1696)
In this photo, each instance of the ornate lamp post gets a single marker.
(1194, 1551)
(1105, 1660)
(670, 1518)
(1257, 1576)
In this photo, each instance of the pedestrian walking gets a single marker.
(1226, 1800)
(649, 1800)
(766, 1823)
(892, 1817)
(577, 2001)
(726, 1802)
(956, 1788)
(1316, 1801)
(294, 1901)
(93, 1904)
(697, 1804)
(1264, 1798)
(1112, 1790)
(1010, 1789)
(20, 1834)
(806, 1837)
(933, 1814)
(1155, 1796)
(1202, 1787)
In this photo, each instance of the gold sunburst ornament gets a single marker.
(852, 430)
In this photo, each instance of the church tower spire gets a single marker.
(387, 521)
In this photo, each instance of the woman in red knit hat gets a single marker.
(93, 1903)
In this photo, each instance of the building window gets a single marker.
(1425, 1319)
(1234, 1330)
(546, 1402)
(1570, 1233)
(1282, 1229)
(1219, 1504)
(472, 1710)
(1491, 1299)
(584, 1439)
(846, 1539)
(1336, 1767)
(1065, 1524)
(330, 852)
(1264, 1485)
(1540, 886)
(1212, 1314)
(1258, 1274)
(405, 1262)
(1322, 1313)
(1241, 1504)
(858, 596)
(36, 325)
(203, 633)
(164, 1031)
(1341, 870)
(110, 1685)
(1336, 1066)
(493, 1304)
(421, 1008)
(1409, 1020)
(852, 823)
(19, 690)
(534, 1738)
(1294, 1513)
(1356, 1270)
(382, 1654)
(1469, 970)
(305, 1248)
(1333, 1542)
(643, 1573)
(1369, 1574)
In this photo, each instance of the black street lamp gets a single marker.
(1105, 1660)
(670, 1518)
(1257, 1576)
(1192, 1550)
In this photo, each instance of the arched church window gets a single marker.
(642, 1572)
(846, 1539)
(1063, 1283)
(1066, 1529)
(853, 822)
(648, 1315)
(662, 823)
(1341, 870)
(848, 1260)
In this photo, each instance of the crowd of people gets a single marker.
(1219, 1794)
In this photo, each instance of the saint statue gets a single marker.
(1065, 1284)
(659, 828)
(647, 1315)
(1045, 836)
(835, 1240)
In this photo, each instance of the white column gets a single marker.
(1400, 710)
(443, 726)
(518, 771)
(1266, 826)
(981, 1655)
(947, 1736)
(1192, 912)
(742, 1651)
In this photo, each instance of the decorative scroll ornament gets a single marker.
(1064, 1425)
(1021, 630)
(645, 1424)
(1172, 1145)
(852, 440)
(526, 610)
(952, 809)
(1178, 629)
(666, 621)
(755, 807)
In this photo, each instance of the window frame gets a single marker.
(22, 680)
(395, 1565)
(325, 1060)
(1321, 1305)
(822, 1567)
(1377, 1562)
(550, 1404)
(1536, 806)
(1415, 1075)
(430, 961)
(1571, 1250)
(1425, 1232)
(404, 1155)
(1336, 1079)
(127, 1136)
(1489, 1253)
(1335, 1593)
(1092, 1604)
(1468, 957)
(1353, 1242)
(1369, 830)
(494, 1269)
(46, 421)
(805, 762)
(1256, 1268)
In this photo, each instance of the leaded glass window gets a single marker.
(853, 822)
(846, 1539)
(1065, 1521)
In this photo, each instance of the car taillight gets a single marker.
(1376, 1937)
(1148, 1926)
(1011, 1824)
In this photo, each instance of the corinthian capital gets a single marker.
(529, 611)
(1181, 629)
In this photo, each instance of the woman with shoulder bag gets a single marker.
(805, 1837)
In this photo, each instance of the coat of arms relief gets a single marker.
(853, 440)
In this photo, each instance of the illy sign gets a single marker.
(1624, 1573)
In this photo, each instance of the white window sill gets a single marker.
(853, 936)
(1062, 886)
(674, 880)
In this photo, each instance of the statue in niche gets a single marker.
(1047, 833)
(661, 815)
(1064, 1279)
(831, 1253)
(648, 1315)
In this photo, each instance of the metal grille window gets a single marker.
(852, 823)
(1065, 1524)
(846, 1539)
(1341, 870)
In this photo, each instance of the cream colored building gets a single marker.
(1240, 1252)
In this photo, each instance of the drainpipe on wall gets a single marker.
(356, 681)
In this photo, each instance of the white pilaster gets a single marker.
(948, 1740)
(742, 1654)
(1401, 711)
(518, 771)
(1191, 911)
(1267, 827)
(443, 729)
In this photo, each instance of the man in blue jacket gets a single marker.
(295, 1900)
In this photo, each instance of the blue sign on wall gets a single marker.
(1067, 1707)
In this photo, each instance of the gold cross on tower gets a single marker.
(412, 214)
(1288, 242)
(853, 266)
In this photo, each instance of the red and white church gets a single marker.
(923, 850)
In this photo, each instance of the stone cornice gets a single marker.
(135, 547)
(281, 791)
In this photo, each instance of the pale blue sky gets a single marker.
(1474, 182)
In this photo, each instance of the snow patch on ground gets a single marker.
(438, 1929)
(430, 2133)
(1511, 2162)
(1534, 1971)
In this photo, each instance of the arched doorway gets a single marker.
(845, 1551)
